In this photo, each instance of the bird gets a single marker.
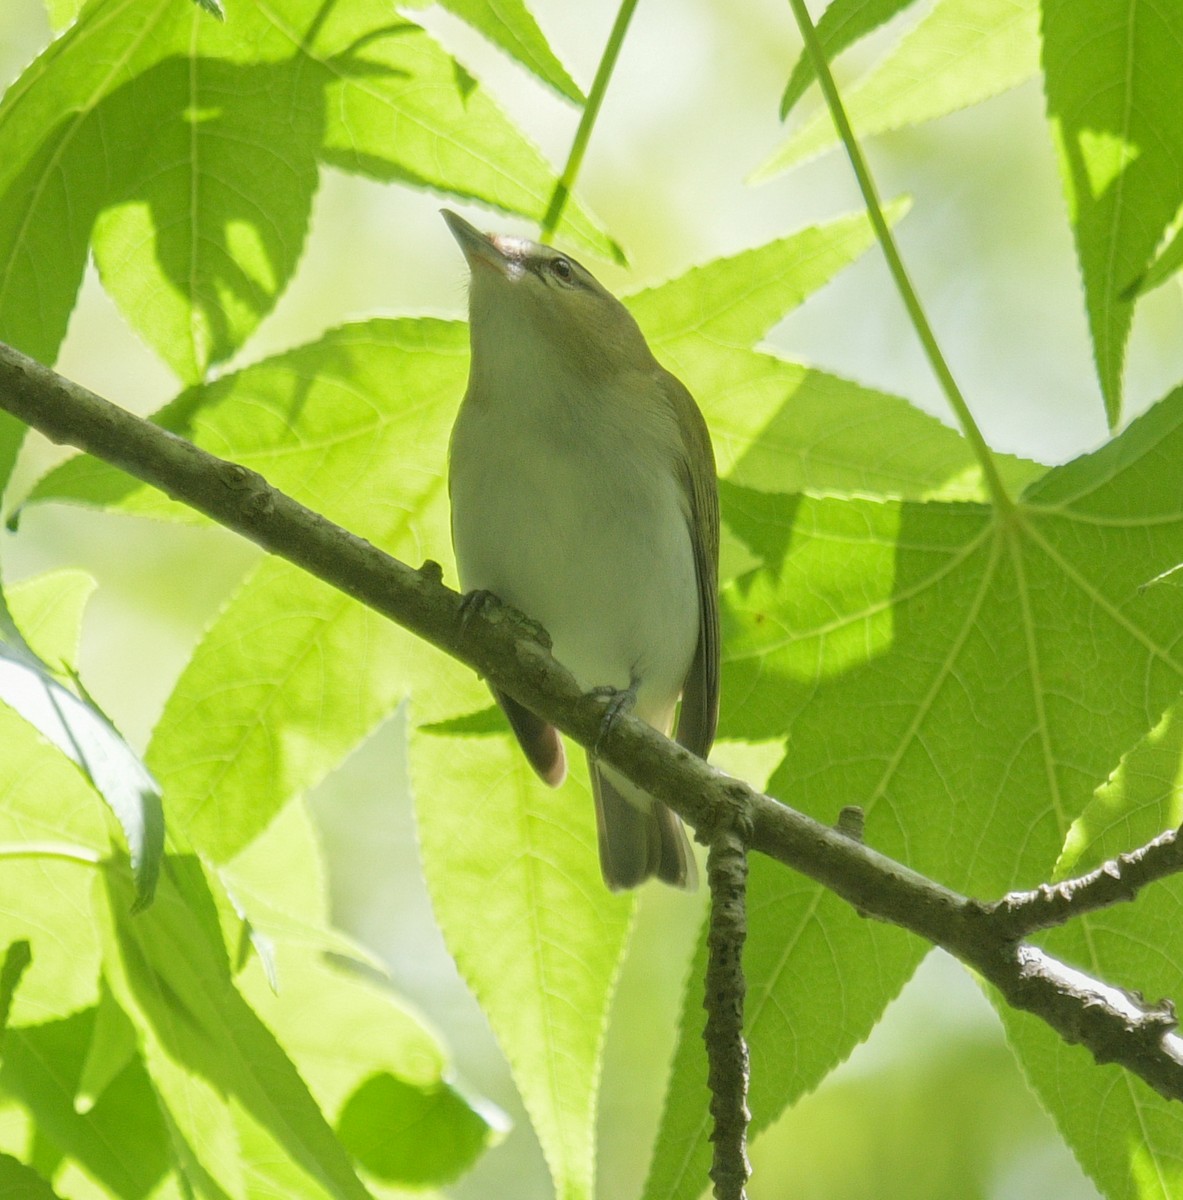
(583, 493)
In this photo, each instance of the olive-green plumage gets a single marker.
(583, 492)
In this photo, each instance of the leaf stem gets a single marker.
(895, 265)
(591, 110)
(59, 850)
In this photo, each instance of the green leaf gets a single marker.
(408, 1135)
(341, 1026)
(294, 674)
(781, 427)
(1135, 946)
(188, 150)
(843, 23)
(51, 608)
(961, 53)
(1166, 264)
(19, 1182)
(45, 899)
(1113, 94)
(1143, 797)
(510, 25)
(515, 884)
(371, 1062)
(120, 1140)
(62, 12)
(170, 972)
(968, 678)
(808, 956)
(17, 958)
(405, 112)
(373, 402)
(112, 1047)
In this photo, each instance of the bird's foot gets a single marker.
(477, 603)
(619, 702)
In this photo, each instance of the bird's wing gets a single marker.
(700, 695)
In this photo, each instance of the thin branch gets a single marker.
(587, 121)
(727, 1051)
(1119, 880)
(507, 650)
(895, 264)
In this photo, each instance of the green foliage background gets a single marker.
(200, 219)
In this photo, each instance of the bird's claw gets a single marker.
(619, 702)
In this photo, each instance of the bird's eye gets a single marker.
(561, 269)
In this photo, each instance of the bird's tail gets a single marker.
(639, 836)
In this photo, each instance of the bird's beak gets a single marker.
(479, 249)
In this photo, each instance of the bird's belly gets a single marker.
(601, 556)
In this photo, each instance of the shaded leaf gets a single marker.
(962, 675)
(16, 961)
(120, 1140)
(189, 151)
(1113, 93)
(781, 427)
(19, 1182)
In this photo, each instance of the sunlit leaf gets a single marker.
(509, 25)
(51, 608)
(842, 24)
(169, 970)
(961, 53)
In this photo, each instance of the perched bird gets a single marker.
(583, 492)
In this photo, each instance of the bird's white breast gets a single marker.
(576, 515)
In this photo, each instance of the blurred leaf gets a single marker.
(407, 1135)
(170, 971)
(843, 23)
(120, 1140)
(372, 1062)
(510, 25)
(213, 7)
(961, 53)
(18, 1182)
(340, 1026)
(194, 159)
(52, 606)
(967, 678)
(62, 12)
(1114, 92)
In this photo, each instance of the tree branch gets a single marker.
(723, 999)
(508, 651)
